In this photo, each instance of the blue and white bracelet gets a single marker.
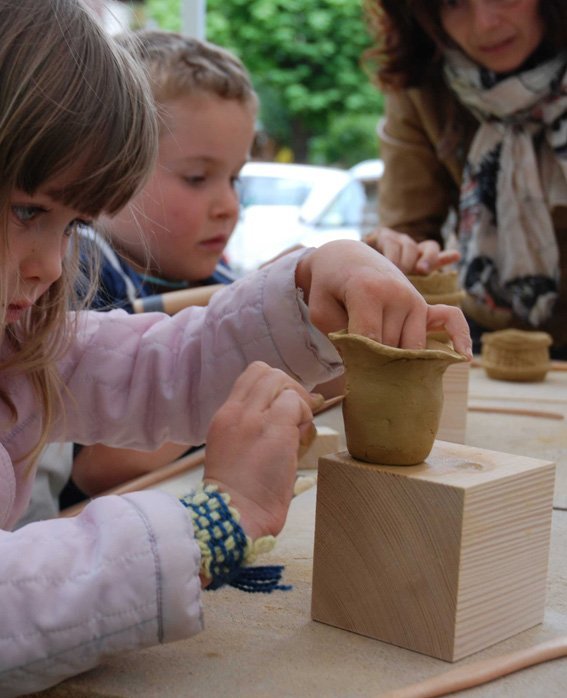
(225, 548)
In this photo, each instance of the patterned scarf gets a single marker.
(516, 172)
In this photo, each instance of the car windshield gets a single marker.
(272, 191)
(346, 209)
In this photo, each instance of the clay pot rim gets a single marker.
(440, 350)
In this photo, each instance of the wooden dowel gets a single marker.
(175, 301)
(330, 402)
(478, 673)
(171, 470)
(144, 482)
(516, 411)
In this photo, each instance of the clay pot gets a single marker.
(393, 398)
(439, 287)
(516, 355)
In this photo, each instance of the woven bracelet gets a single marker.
(225, 548)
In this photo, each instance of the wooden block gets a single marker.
(453, 422)
(444, 558)
(326, 441)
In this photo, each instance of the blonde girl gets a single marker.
(77, 135)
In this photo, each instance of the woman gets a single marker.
(476, 121)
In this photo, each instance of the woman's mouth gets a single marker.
(497, 47)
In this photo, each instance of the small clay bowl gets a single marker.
(516, 355)
(439, 287)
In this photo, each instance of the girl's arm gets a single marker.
(126, 572)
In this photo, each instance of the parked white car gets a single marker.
(283, 205)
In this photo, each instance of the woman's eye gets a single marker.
(25, 214)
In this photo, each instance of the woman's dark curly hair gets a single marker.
(409, 38)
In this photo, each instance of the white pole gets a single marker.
(193, 18)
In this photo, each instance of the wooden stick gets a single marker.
(481, 672)
(516, 411)
(174, 301)
(144, 482)
(330, 402)
(171, 470)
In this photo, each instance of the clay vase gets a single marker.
(393, 398)
(516, 355)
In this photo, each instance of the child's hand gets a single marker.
(407, 254)
(252, 446)
(349, 285)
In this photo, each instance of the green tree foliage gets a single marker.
(166, 14)
(304, 57)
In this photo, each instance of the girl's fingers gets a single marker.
(392, 250)
(452, 320)
(394, 321)
(289, 407)
(414, 331)
(259, 385)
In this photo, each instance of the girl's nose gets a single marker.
(43, 264)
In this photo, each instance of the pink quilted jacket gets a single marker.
(124, 573)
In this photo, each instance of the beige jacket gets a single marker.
(422, 178)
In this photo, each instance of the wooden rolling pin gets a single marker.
(178, 467)
(174, 301)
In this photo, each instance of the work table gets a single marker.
(256, 645)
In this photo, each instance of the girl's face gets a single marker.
(497, 34)
(39, 228)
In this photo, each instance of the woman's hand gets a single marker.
(349, 285)
(253, 442)
(409, 256)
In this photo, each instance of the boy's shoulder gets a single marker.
(118, 283)
(222, 274)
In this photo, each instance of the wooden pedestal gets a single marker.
(444, 558)
(453, 422)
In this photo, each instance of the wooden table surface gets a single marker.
(268, 646)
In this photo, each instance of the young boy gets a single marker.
(170, 236)
(173, 234)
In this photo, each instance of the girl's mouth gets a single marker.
(15, 311)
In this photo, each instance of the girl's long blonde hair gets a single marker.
(72, 100)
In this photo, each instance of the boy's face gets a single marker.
(189, 207)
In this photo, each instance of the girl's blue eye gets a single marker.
(25, 214)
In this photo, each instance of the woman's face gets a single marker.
(497, 34)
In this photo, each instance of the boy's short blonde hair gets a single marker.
(178, 66)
